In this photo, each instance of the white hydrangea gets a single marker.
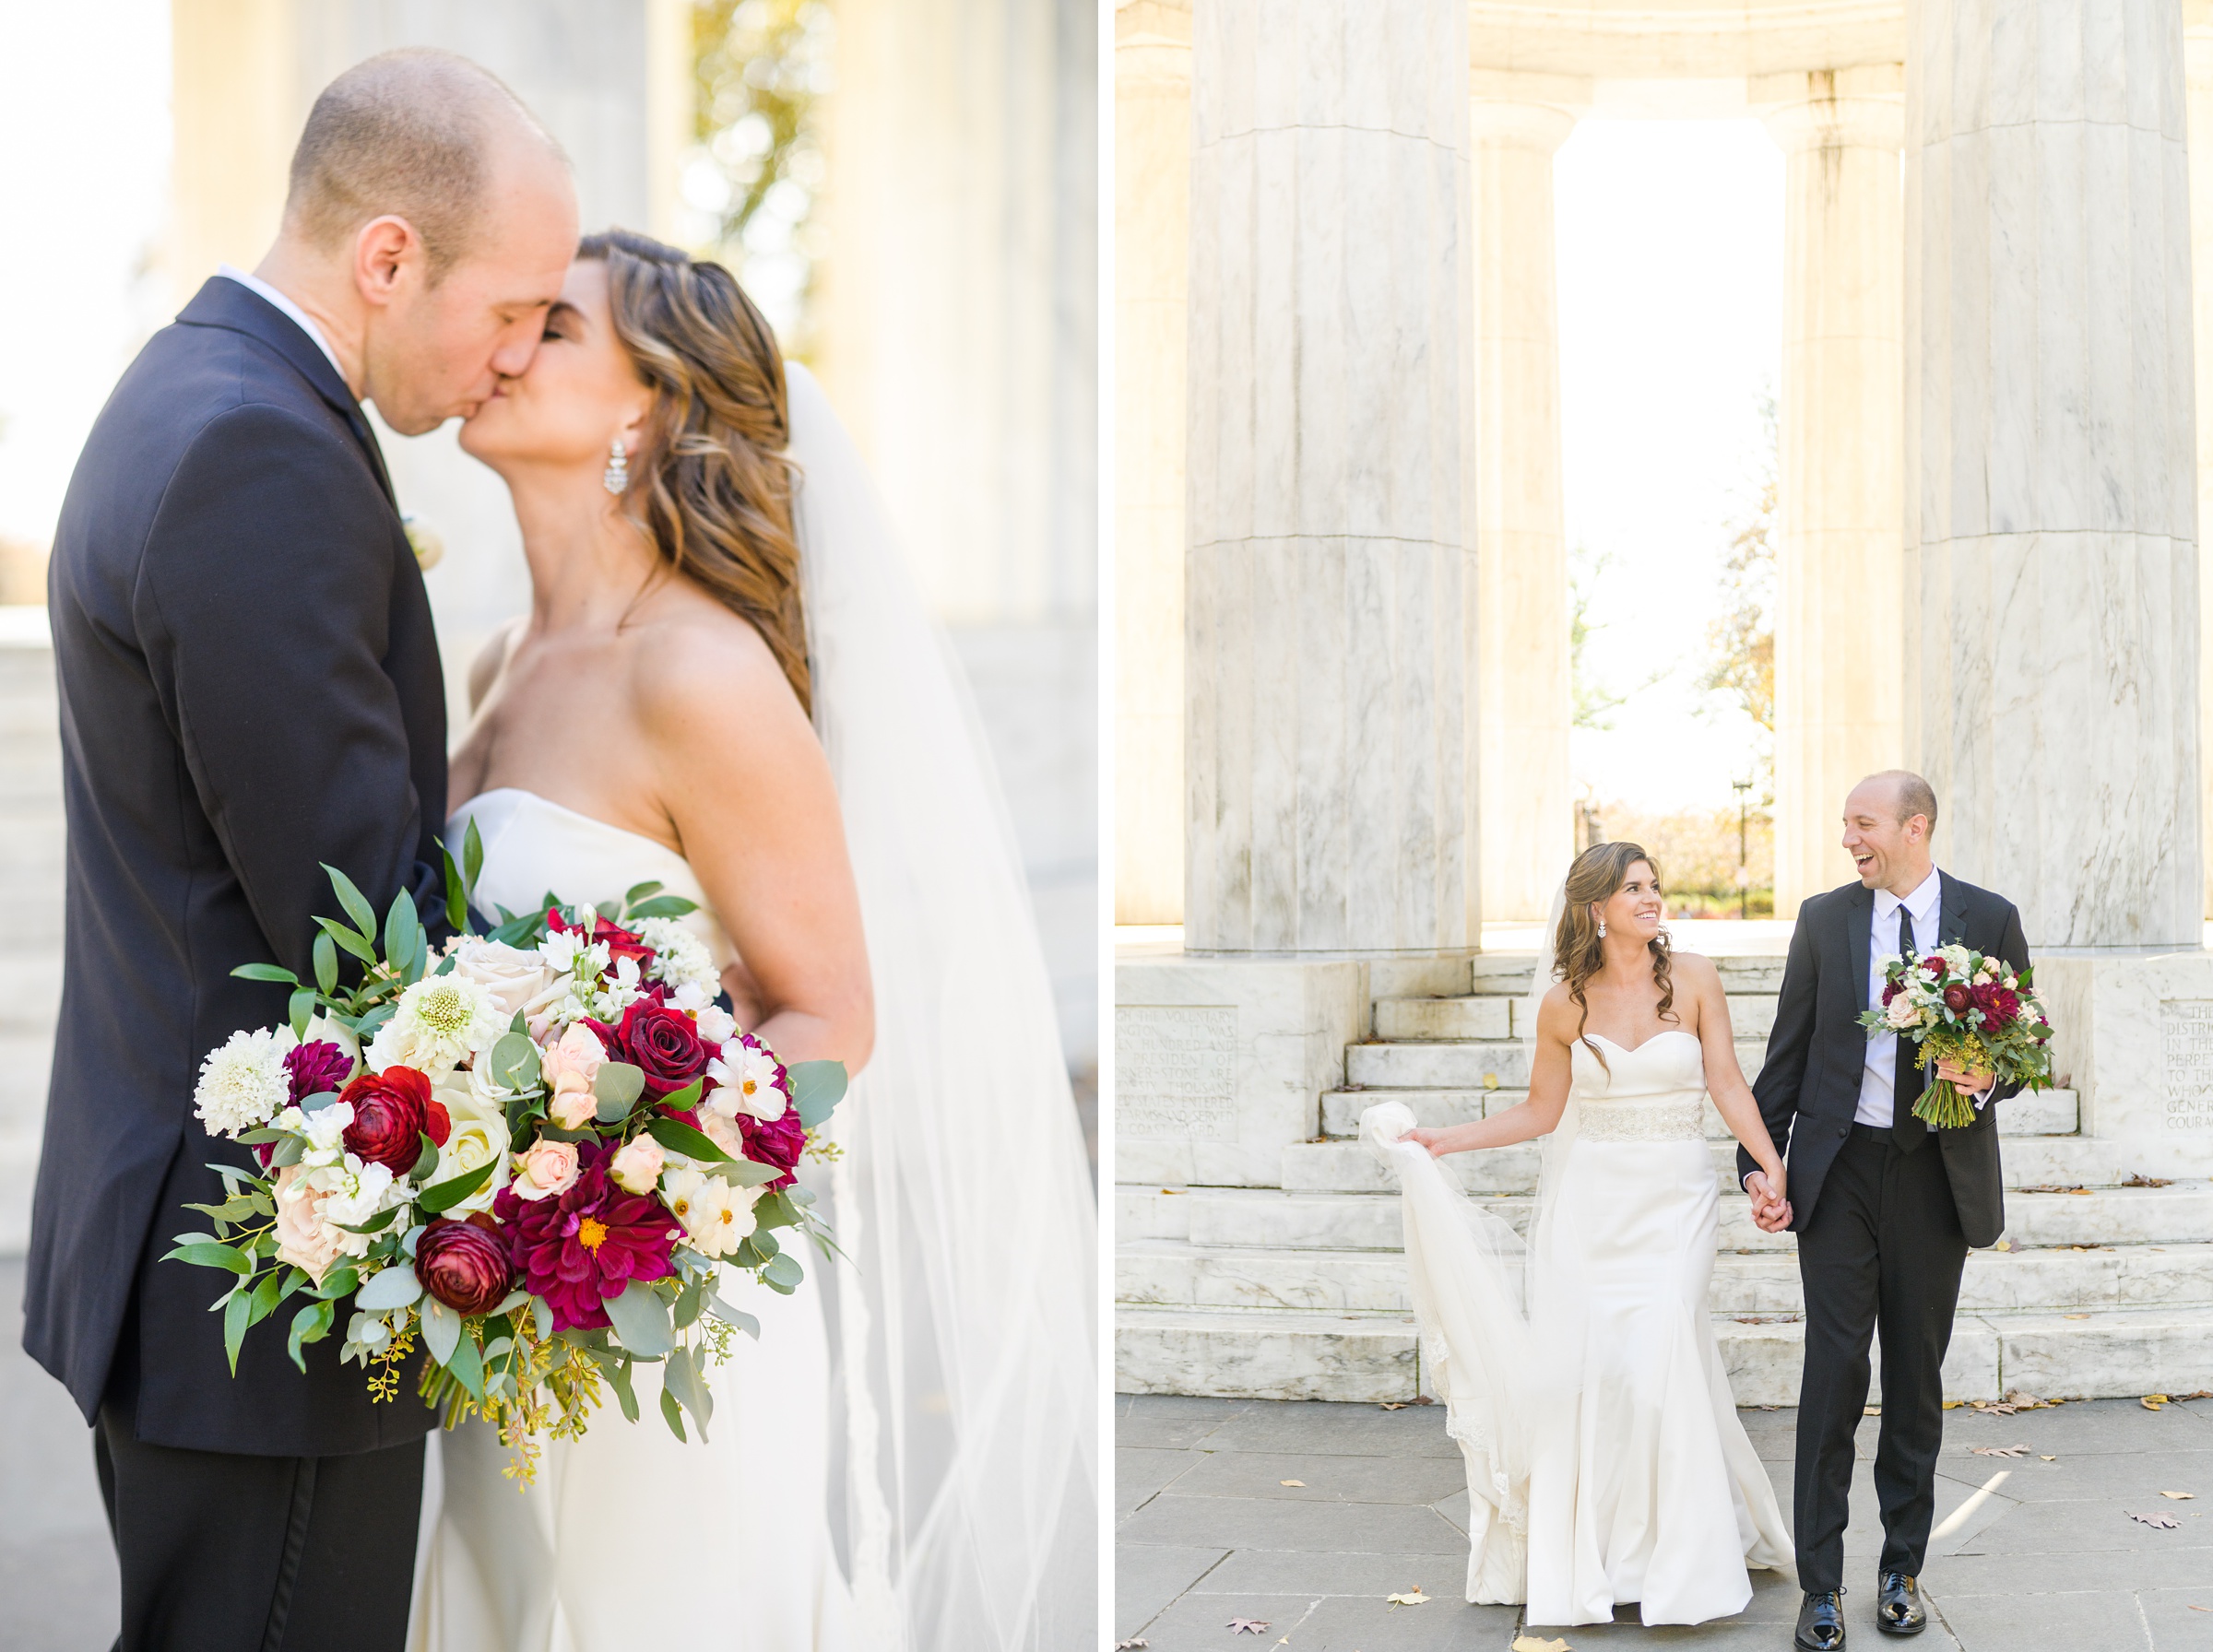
(244, 1084)
(682, 958)
(439, 1022)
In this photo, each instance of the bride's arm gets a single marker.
(1550, 1068)
(748, 788)
(1732, 1097)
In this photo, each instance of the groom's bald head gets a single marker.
(416, 134)
(1888, 819)
(1907, 793)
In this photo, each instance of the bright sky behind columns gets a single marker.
(1670, 260)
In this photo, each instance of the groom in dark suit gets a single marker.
(1883, 1207)
(250, 686)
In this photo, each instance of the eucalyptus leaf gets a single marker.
(746, 1173)
(618, 1081)
(311, 1323)
(773, 1210)
(441, 1330)
(286, 1153)
(618, 1378)
(672, 1415)
(681, 1378)
(237, 1314)
(641, 1320)
(782, 1273)
(515, 1061)
(395, 1287)
(317, 1102)
(816, 1087)
(734, 1316)
(512, 1301)
(212, 1256)
(688, 1302)
(467, 1367)
(542, 1318)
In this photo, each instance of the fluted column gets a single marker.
(2198, 51)
(1839, 643)
(1329, 621)
(1152, 185)
(2051, 532)
(1528, 806)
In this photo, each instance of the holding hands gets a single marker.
(1771, 1209)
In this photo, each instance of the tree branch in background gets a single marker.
(1592, 693)
(1740, 643)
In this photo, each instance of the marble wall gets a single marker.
(1330, 626)
(2050, 514)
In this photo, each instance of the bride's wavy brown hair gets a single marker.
(1578, 951)
(711, 482)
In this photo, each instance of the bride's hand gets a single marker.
(1431, 1139)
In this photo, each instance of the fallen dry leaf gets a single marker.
(1394, 1405)
(2152, 1402)
(1136, 1645)
(2052, 1188)
(2145, 1181)
(1246, 1626)
(2048, 1459)
(1529, 1643)
(1413, 1597)
(2001, 1450)
(2074, 1315)
(2162, 1522)
(2202, 1609)
(2180, 1496)
(1171, 1191)
(1299, 1483)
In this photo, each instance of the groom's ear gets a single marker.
(386, 254)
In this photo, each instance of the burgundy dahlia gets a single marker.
(316, 1067)
(777, 1141)
(1958, 1000)
(391, 1110)
(585, 1245)
(660, 1043)
(1889, 991)
(1998, 1004)
(464, 1266)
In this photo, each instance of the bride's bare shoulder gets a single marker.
(1557, 1014)
(484, 670)
(702, 674)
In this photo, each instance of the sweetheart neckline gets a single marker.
(577, 814)
(1632, 1049)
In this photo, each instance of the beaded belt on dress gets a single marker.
(1642, 1121)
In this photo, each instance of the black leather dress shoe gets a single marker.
(1822, 1621)
(1897, 1608)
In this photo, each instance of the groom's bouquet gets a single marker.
(1959, 1005)
(536, 1152)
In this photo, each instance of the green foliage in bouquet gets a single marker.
(1962, 1006)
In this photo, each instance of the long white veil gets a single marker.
(964, 1323)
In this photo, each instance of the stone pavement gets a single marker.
(2032, 1554)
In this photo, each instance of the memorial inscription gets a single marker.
(1176, 1071)
(2186, 1041)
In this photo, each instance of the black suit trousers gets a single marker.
(223, 1552)
(1884, 1247)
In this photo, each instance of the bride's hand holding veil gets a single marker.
(1550, 1073)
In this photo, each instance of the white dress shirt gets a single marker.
(1878, 1081)
(254, 284)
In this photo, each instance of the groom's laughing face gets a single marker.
(1882, 847)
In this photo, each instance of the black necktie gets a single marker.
(1907, 1129)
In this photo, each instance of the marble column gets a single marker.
(1838, 637)
(1330, 626)
(2198, 55)
(1152, 236)
(2051, 622)
(1527, 800)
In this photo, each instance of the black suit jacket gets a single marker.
(1808, 1087)
(250, 686)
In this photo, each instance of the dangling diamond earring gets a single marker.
(1602, 929)
(617, 478)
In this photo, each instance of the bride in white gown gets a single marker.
(1580, 1373)
(727, 685)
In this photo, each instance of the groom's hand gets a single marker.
(1770, 1213)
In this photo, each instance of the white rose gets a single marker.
(515, 979)
(244, 1084)
(439, 1022)
(1901, 1013)
(472, 1144)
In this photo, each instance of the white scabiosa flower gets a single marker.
(244, 1084)
(681, 958)
(438, 1022)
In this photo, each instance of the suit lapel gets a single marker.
(1951, 913)
(1859, 929)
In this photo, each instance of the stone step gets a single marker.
(1509, 974)
(1266, 1218)
(1469, 1064)
(1373, 1358)
(2044, 1113)
(1174, 1273)
(1751, 1015)
(1347, 1166)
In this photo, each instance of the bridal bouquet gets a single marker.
(1959, 1005)
(537, 1153)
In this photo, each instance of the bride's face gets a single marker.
(579, 395)
(1637, 907)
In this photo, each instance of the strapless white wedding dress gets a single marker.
(1606, 1464)
(630, 1538)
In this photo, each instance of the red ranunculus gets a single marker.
(1935, 965)
(437, 1123)
(390, 1110)
(659, 1042)
(1998, 1004)
(464, 1266)
(1958, 1000)
(778, 1141)
(581, 1248)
